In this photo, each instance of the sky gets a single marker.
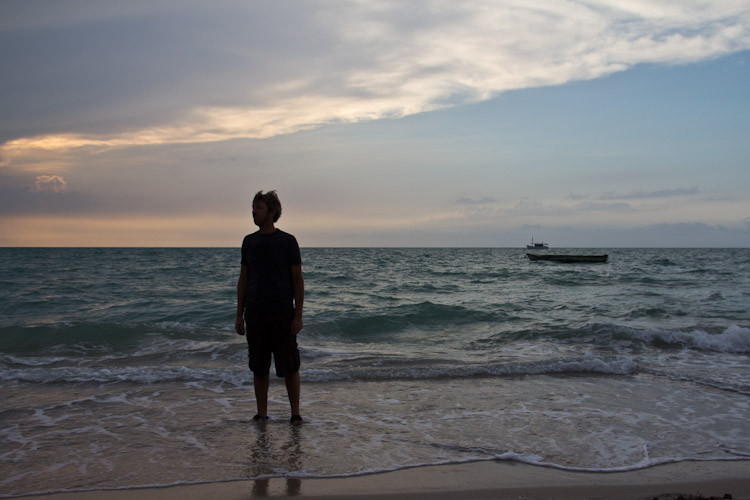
(580, 123)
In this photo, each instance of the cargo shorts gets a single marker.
(270, 334)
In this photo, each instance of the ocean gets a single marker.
(120, 368)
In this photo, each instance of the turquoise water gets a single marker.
(120, 367)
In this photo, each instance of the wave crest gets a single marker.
(733, 340)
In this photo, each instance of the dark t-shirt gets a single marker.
(269, 258)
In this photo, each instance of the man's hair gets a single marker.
(271, 199)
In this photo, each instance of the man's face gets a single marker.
(261, 214)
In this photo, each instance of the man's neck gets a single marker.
(267, 229)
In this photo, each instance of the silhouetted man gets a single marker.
(270, 294)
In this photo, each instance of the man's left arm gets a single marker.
(299, 297)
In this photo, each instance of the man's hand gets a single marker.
(296, 325)
(239, 325)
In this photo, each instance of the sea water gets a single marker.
(120, 368)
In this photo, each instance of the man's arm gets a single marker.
(299, 297)
(239, 323)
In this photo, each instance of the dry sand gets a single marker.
(479, 480)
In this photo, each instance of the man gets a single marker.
(270, 293)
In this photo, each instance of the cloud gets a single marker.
(256, 70)
(637, 195)
(559, 210)
(475, 201)
(49, 184)
(576, 197)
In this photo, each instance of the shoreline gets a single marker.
(501, 480)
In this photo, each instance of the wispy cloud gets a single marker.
(476, 201)
(564, 209)
(638, 195)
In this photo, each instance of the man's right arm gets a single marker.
(239, 323)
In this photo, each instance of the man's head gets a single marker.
(271, 201)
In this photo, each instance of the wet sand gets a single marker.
(480, 480)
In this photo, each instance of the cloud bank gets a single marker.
(188, 72)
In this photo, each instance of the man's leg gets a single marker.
(261, 393)
(293, 390)
(259, 357)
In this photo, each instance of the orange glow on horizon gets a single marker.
(144, 231)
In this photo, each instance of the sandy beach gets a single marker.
(479, 480)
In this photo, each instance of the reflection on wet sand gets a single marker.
(262, 488)
(277, 451)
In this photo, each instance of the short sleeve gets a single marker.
(243, 259)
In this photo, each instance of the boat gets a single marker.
(568, 258)
(537, 246)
